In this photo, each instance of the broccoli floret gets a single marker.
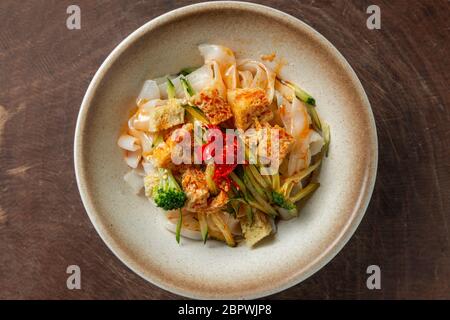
(282, 202)
(167, 194)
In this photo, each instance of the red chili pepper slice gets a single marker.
(209, 150)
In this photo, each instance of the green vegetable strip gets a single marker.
(267, 179)
(268, 208)
(249, 214)
(302, 174)
(238, 181)
(326, 138)
(304, 192)
(195, 114)
(317, 124)
(192, 110)
(255, 184)
(300, 93)
(209, 173)
(259, 177)
(261, 208)
(180, 222)
(158, 140)
(170, 89)
(257, 180)
(276, 181)
(188, 90)
(288, 188)
(252, 203)
(264, 207)
(203, 226)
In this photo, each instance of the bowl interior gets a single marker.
(134, 229)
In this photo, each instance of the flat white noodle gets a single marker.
(149, 91)
(246, 78)
(222, 55)
(128, 142)
(134, 180)
(186, 233)
(201, 78)
(151, 104)
(279, 98)
(299, 156)
(265, 78)
(284, 214)
(141, 119)
(260, 79)
(145, 139)
(218, 82)
(286, 116)
(132, 158)
(148, 166)
(231, 78)
(232, 223)
(179, 93)
(315, 142)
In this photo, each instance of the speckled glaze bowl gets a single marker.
(133, 229)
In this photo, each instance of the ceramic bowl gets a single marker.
(134, 229)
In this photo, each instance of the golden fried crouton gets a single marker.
(215, 108)
(283, 144)
(249, 104)
(194, 185)
(161, 155)
(165, 116)
(258, 230)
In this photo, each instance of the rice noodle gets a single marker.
(132, 158)
(263, 77)
(201, 78)
(128, 142)
(222, 55)
(149, 91)
(186, 233)
(300, 155)
(134, 180)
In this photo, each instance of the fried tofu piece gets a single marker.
(194, 185)
(265, 145)
(215, 108)
(258, 230)
(161, 155)
(165, 116)
(247, 105)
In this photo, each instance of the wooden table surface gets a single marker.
(45, 70)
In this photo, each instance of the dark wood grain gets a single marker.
(44, 72)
